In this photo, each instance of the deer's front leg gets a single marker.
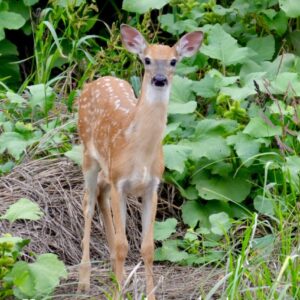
(90, 171)
(120, 245)
(147, 248)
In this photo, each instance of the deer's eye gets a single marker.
(147, 61)
(173, 62)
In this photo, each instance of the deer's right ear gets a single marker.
(132, 39)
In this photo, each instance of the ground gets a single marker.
(57, 186)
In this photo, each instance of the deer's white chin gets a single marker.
(155, 94)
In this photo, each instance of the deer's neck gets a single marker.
(150, 117)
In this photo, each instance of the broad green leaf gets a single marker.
(141, 7)
(220, 223)
(211, 84)
(38, 279)
(264, 246)
(263, 46)
(292, 171)
(47, 271)
(277, 21)
(31, 2)
(264, 205)
(224, 47)
(75, 154)
(182, 108)
(245, 146)
(206, 87)
(212, 127)
(286, 83)
(290, 7)
(15, 143)
(195, 213)
(15, 98)
(8, 48)
(222, 188)
(11, 20)
(22, 280)
(192, 213)
(10, 239)
(181, 91)
(163, 230)
(211, 147)
(169, 24)
(258, 127)
(170, 127)
(23, 209)
(175, 157)
(170, 251)
(41, 96)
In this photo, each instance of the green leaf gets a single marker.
(163, 230)
(41, 96)
(23, 209)
(75, 154)
(192, 213)
(263, 46)
(286, 83)
(22, 280)
(211, 147)
(15, 143)
(226, 189)
(30, 2)
(224, 47)
(182, 108)
(220, 223)
(169, 24)
(290, 7)
(213, 127)
(15, 98)
(47, 270)
(258, 127)
(264, 205)
(245, 146)
(181, 91)
(36, 279)
(170, 251)
(175, 157)
(291, 170)
(141, 7)
(278, 21)
(211, 84)
(11, 20)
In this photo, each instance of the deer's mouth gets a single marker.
(159, 80)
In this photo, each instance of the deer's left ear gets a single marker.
(189, 44)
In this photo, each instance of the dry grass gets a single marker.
(57, 186)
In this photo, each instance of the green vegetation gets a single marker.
(20, 278)
(232, 142)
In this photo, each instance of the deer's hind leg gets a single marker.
(90, 172)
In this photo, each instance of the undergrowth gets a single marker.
(232, 142)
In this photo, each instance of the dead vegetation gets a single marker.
(57, 186)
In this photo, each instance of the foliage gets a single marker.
(13, 15)
(232, 142)
(17, 277)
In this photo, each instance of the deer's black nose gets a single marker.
(159, 80)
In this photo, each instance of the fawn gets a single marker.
(122, 140)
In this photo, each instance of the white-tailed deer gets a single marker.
(122, 139)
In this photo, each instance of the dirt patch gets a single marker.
(57, 186)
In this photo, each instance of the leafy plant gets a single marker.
(17, 277)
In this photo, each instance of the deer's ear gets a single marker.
(189, 44)
(132, 39)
